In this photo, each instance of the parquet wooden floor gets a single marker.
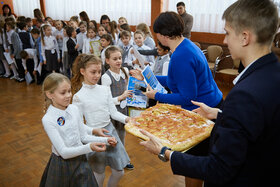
(25, 147)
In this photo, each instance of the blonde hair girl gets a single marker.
(69, 136)
(49, 49)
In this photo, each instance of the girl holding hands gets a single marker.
(70, 138)
(97, 106)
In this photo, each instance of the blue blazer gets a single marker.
(245, 141)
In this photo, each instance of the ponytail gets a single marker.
(42, 30)
(123, 70)
(81, 62)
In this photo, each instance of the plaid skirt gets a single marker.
(74, 172)
(115, 157)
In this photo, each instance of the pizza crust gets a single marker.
(184, 145)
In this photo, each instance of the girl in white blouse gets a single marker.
(116, 77)
(97, 106)
(91, 43)
(49, 49)
(70, 138)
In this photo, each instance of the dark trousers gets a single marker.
(202, 149)
(20, 68)
(30, 67)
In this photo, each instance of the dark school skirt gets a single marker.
(114, 157)
(52, 63)
(68, 172)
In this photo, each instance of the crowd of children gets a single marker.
(97, 60)
(52, 45)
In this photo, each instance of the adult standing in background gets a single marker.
(38, 15)
(187, 18)
(84, 17)
(7, 12)
(104, 20)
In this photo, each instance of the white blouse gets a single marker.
(67, 132)
(106, 80)
(131, 57)
(96, 104)
(32, 54)
(80, 39)
(50, 44)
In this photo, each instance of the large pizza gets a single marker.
(177, 128)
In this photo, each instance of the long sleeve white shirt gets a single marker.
(102, 56)
(69, 137)
(59, 41)
(96, 105)
(32, 54)
(50, 44)
(9, 34)
(106, 81)
(131, 57)
(80, 39)
(64, 47)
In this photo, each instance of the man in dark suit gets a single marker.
(245, 141)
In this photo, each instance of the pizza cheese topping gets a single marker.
(172, 124)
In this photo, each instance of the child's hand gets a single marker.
(98, 146)
(112, 141)
(100, 132)
(126, 93)
(127, 119)
(45, 62)
(25, 71)
(136, 73)
(34, 73)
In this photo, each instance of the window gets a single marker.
(26, 7)
(207, 14)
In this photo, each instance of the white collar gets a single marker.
(164, 56)
(117, 75)
(239, 76)
(57, 111)
(88, 85)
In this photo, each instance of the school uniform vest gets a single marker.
(117, 88)
(25, 39)
(124, 55)
(159, 64)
